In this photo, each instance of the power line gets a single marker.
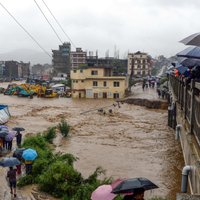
(48, 21)
(59, 24)
(24, 29)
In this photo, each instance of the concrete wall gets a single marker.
(181, 196)
(191, 153)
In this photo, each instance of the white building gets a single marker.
(139, 64)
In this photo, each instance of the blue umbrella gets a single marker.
(190, 52)
(9, 162)
(182, 69)
(29, 154)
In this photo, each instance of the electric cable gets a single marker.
(59, 24)
(24, 29)
(48, 21)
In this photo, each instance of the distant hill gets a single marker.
(26, 55)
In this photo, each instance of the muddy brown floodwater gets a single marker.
(131, 142)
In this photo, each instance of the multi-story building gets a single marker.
(23, 70)
(77, 58)
(97, 82)
(11, 69)
(61, 59)
(139, 64)
(14, 69)
(2, 68)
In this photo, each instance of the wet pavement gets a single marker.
(132, 141)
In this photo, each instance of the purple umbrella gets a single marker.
(10, 136)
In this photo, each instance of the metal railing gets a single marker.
(188, 97)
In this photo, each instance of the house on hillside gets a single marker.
(97, 82)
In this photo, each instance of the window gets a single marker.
(74, 71)
(82, 81)
(116, 84)
(76, 81)
(94, 72)
(81, 71)
(104, 83)
(116, 95)
(95, 83)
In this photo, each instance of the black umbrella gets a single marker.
(18, 153)
(18, 129)
(9, 162)
(190, 62)
(132, 184)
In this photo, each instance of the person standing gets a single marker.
(28, 166)
(18, 138)
(11, 175)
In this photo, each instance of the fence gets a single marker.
(188, 96)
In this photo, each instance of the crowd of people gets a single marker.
(6, 146)
(6, 142)
(189, 73)
(150, 82)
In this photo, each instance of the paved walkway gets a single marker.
(147, 93)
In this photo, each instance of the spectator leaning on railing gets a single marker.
(194, 74)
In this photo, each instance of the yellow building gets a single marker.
(97, 82)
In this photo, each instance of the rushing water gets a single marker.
(131, 142)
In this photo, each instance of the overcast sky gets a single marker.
(152, 26)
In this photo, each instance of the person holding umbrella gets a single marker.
(135, 186)
(18, 135)
(137, 195)
(18, 138)
(18, 154)
(29, 155)
(11, 175)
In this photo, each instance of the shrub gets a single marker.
(50, 134)
(36, 141)
(64, 127)
(60, 179)
(26, 180)
(55, 174)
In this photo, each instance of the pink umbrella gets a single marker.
(103, 192)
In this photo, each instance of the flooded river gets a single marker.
(131, 142)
